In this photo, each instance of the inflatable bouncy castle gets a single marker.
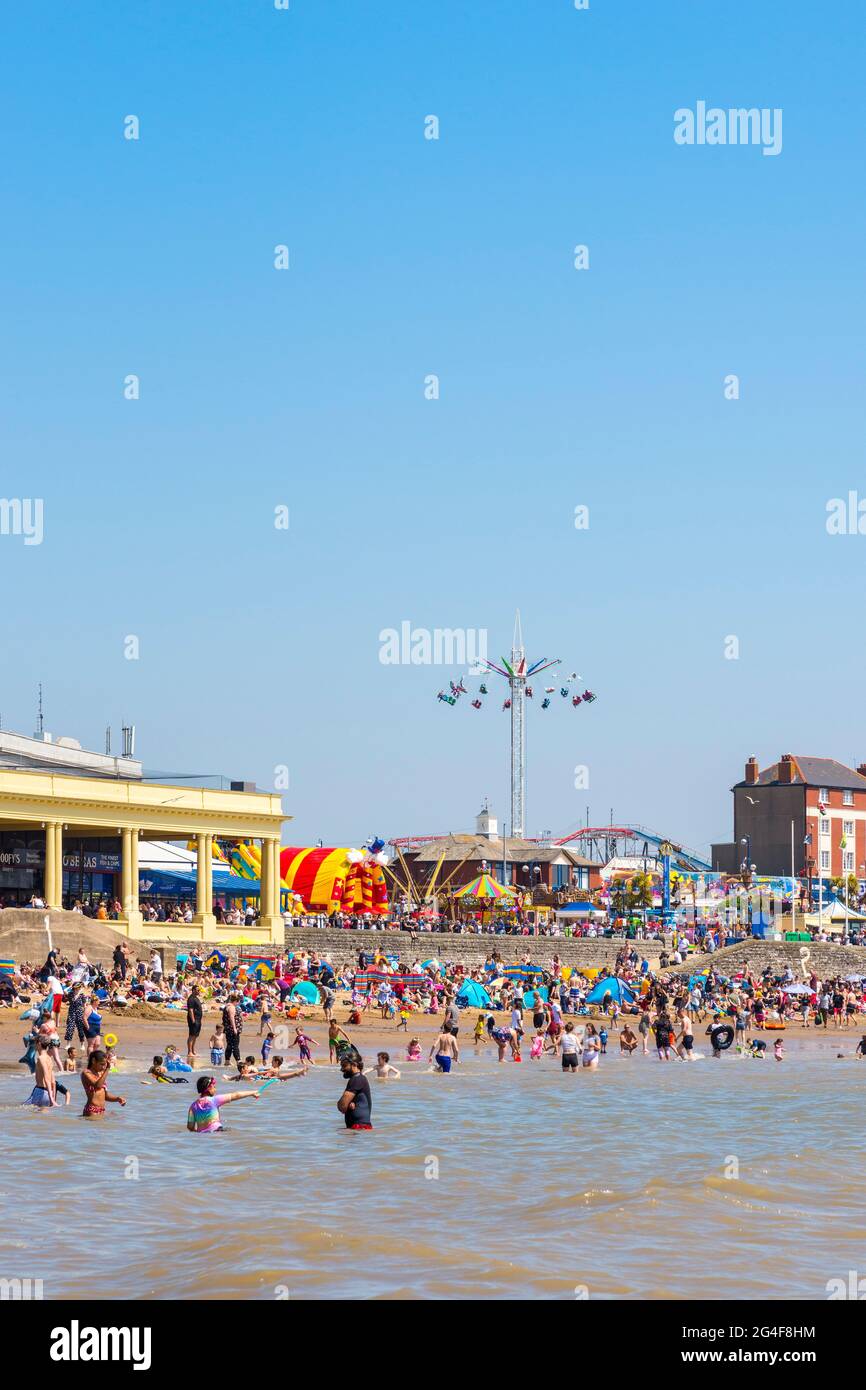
(324, 879)
(335, 880)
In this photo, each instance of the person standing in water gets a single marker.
(44, 1093)
(93, 1079)
(356, 1102)
(203, 1116)
(686, 1040)
(445, 1050)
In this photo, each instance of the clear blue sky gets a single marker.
(558, 388)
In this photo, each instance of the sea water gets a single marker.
(727, 1178)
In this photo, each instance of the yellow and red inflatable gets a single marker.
(325, 880)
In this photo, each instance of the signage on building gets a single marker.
(89, 861)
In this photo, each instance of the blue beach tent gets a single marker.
(613, 986)
(472, 995)
(305, 990)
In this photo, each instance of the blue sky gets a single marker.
(305, 388)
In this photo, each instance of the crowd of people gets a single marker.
(549, 1008)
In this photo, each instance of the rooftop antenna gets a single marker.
(108, 740)
(40, 723)
(128, 732)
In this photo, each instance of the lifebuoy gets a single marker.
(722, 1036)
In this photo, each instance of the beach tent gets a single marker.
(472, 995)
(304, 990)
(528, 1000)
(613, 986)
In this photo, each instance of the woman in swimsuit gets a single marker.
(93, 1081)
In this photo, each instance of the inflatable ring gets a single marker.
(722, 1036)
(110, 1040)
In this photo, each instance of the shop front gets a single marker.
(91, 871)
(22, 864)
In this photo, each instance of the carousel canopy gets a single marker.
(485, 886)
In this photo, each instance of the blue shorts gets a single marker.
(39, 1097)
(443, 1062)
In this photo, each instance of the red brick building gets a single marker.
(823, 799)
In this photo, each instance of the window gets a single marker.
(825, 825)
(847, 798)
(848, 862)
(847, 827)
(825, 859)
(823, 796)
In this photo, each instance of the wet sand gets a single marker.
(139, 1039)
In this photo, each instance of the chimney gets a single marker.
(786, 768)
(862, 769)
(752, 771)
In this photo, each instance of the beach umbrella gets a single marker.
(430, 964)
(485, 886)
(797, 989)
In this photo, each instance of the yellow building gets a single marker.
(46, 809)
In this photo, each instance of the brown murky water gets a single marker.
(497, 1181)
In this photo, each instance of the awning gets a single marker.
(182, 883)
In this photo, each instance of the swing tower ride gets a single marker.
(517, 673)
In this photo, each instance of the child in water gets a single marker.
(602, 1037)
(304, 1042)
(246, 1071)
(159, 1072)
(413, 1051)
(383, 1068)
(537, 1044)
(479, 1030)
(778, 1050)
